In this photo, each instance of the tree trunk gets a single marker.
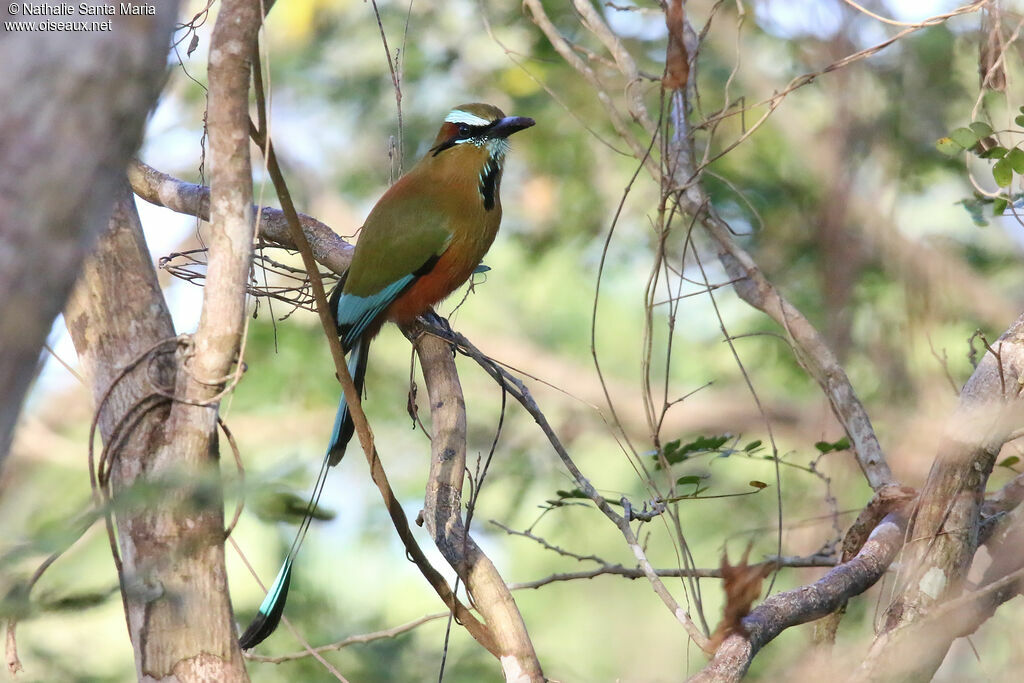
(74, 105)
(168, 506)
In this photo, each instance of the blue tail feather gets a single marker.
(343, 426)
(269, 615)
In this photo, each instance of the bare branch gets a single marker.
(443, 513)
(929, 637)
(177, 195)
(564, 48)
(360, 639)
(1005, 499)
(637, 573)
(807, 603)
(547, 546)
(750, 282)
(627, 65)
(185, 625)
(772, 103)
(810, 348)
(518, 390)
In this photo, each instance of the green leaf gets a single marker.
(964, 137)
(706, 443)
(284, 506)
(981, 129)
(1010, 461)
(996, 152)
(758, 484)
(948, 147)
(1016, 159)
(752, 446)
(829, 446)
(566, 498)
(676, 453)
(1019, 120)
(689, 479)
(1002, 172)
(999, 206)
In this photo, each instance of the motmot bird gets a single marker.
(422, 240)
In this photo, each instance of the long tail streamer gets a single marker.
(269, 615)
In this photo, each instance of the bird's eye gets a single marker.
(463, 130)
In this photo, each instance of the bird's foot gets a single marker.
(432, 319)
(440, 327)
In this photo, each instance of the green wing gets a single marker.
(401, 235)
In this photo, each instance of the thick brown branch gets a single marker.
(172, 650)
(177, 195)
(807, 603)
(443, 513)
(928, 638)
(1010, 496)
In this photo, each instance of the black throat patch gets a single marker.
(490, 179)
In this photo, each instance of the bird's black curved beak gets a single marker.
(509, 125)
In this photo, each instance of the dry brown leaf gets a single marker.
(677, 60)
(742, 585)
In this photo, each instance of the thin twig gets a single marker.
(360, 639)
(519, 391)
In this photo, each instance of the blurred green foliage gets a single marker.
(843, 198)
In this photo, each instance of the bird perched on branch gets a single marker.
(421, 242)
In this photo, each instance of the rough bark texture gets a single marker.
(163, 190)
(74, 104)
(945, 531)
(443, 514)
(170, 538)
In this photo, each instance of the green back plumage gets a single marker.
(400, 235)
